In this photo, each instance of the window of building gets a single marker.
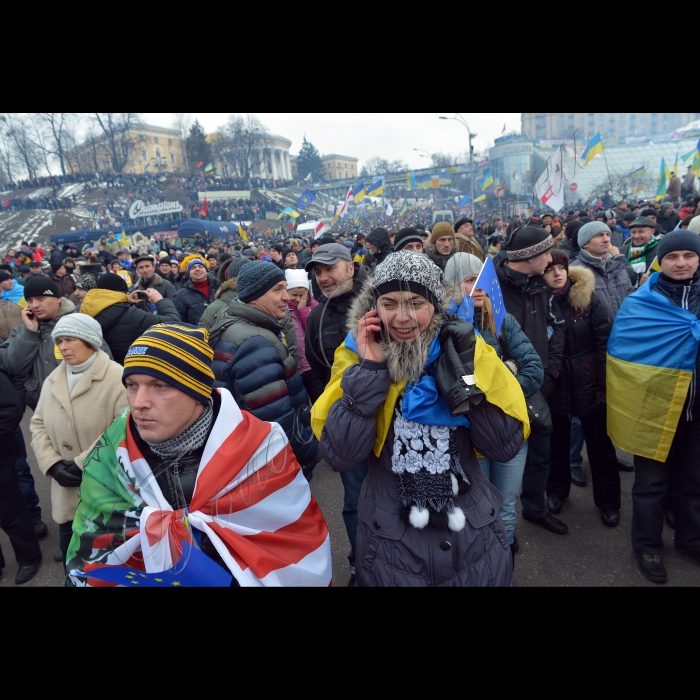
(143, 155)
(170, 142)
(142, 137)
(172, 158)
(155, 139)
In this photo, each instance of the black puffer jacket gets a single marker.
(122, 323)
(581, 382)
(528, 300)
(380, 238)
(326, 328)
(191, 303)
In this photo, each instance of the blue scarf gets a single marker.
(422, 403)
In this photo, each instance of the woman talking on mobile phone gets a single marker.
(121, 321)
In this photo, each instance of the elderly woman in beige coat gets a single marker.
(79, 401)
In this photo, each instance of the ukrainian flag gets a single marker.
(663, 179)
(649, 373)
(594, 148)
(488, 180)
(209, 168)
(376, 189)
(481, 198)
(404, 209)
(242, 232)
(360, 192)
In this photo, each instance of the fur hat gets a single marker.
(441, 230)
(409, 271)
(588, 232)
(528, 243)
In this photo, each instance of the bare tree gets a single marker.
(7, 158)
(248, 138)
(54, 129)
(119, 142)
(19, 130)
(382, 167)
(182, 123)
(625, 186)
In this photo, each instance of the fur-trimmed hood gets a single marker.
(402, 365)
(582, 288)
(227, 286)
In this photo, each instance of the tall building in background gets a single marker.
(544, 126)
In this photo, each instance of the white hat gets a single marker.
(79, 326)
(460, 266)
(296, 279)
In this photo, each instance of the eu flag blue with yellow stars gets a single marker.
(305, 199)
(195, 570)
(488, 282)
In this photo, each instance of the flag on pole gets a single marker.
(321, 228)
(336, 216)
(264, 188)
(360, 192)
(308, 178)
(233, 173)
(147, 167)
(209, 168)
(595, 147)
(663, 178)
(488, 282)
(465, 200)
(550, 186)
(504, 129)
(376, 189)
(163, 179)
(201, 163)
(677, 165)
(242, 232)
(348, 199)
(480, 198)
(205, 208)
(389, 209)
(404, 209)
(306, 198)
(488, 180)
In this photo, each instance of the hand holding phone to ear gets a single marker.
(30, 320)
(368, 335)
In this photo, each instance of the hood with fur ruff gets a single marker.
(582, 288)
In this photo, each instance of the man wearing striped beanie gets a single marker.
(185, 469)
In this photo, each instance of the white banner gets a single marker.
(140, 208)
(550, 187)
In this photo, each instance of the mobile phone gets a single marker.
(142, 295)
(378, 337)
(30, 315)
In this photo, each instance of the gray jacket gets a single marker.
(612, 279)
(389, 552)
(33, 354)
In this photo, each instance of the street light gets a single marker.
(459, 118)
(428, 154)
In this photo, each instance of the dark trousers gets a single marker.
(535, 477)
(25, 478)
(15, 519)
(352, 483)
(650, 490)
(313, 385)
(65, 535)
(602, 457)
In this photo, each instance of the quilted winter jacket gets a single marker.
(191, 303)
(581, 382)
(256, 367)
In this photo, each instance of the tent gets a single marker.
(216, 229)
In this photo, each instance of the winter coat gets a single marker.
(11, 412)
(327, 327)
(65, 284)
(251, 360)
(10, 317)
(648, 259)
(390, 552)
(514, 345)
(122, 323)
(226, 293)
(65, 426)
(383, 242)
(581, 383)
(527, 299)
(613, 283)
(191, 303)
(33, 354)
(159, 284)
(300, 318)
(668, 223)
(440, 260)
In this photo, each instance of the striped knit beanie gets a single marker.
(178, 354)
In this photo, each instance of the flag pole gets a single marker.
(607, 168)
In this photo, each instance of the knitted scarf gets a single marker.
(637, 256)
(191, 439)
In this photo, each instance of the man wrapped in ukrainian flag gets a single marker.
(654, 401)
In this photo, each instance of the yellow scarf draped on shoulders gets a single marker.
(499, 385)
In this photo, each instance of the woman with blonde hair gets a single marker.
(518, 354)
(79, 400)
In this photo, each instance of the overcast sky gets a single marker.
(364, 136)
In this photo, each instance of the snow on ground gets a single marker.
(14, 232)
(70, 190)
(43, 192)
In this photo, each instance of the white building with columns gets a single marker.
(271, 160)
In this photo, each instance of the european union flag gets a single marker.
(307, 198)
(194, 570)
(84, 234)
(465, 200)
(488, 282)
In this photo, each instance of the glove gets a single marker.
(67, 474)
(449, 372)
(462, 335)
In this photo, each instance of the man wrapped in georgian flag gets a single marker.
(184, 469)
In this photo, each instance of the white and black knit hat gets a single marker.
(528, 243)
(410, 271)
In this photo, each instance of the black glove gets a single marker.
(67, 474)
(449, 372)
(462, 335)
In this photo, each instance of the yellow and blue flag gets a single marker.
(359, 192)
(336, 216)
(147, 167)
(488, 179)
(480, 198)
(209, 168)
(242, 232)
(649, 374)
(638, 172)
(376, 189)
(404, 209)
(306, 198)
(663, 179)
(264, 188)
(164, 178)
(595, 146)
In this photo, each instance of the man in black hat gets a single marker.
(527, 297)
(408, 239)
(36, 269)
(149, 279)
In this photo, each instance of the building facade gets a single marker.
(539, 126)
(336, 167)
(270, 160)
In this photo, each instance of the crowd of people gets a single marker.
(183, 393)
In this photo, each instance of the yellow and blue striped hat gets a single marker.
(178, 354)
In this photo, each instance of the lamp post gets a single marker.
(428, 154)
(459, 118)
